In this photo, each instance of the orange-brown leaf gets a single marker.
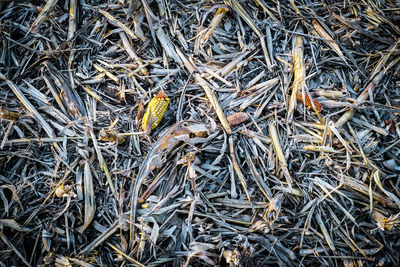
(307, 102)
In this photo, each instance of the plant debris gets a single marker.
(199, 133)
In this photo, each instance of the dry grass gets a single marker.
(280, 144)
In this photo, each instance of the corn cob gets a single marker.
(155, 112)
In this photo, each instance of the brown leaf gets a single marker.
(237, 118)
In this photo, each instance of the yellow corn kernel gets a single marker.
(155, 111)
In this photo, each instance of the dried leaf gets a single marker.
(11, 223)
(237, 118)
(306, 101)
(90, 205)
